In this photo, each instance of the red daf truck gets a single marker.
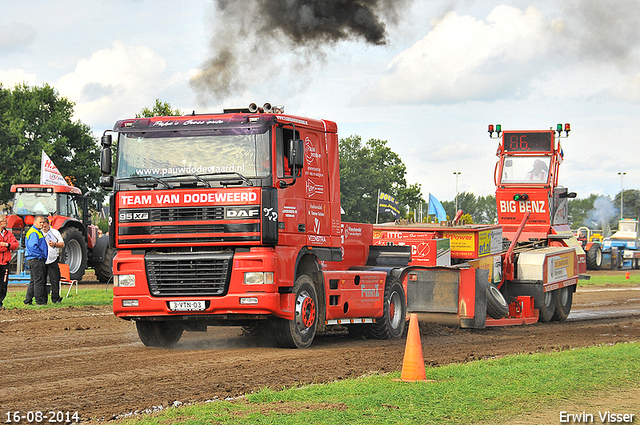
(234, 219)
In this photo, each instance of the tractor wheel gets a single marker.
(358, 331)
(255, 330)
(548, 306)
(104, 269)
(497, 306)
(159, 334)
(394, 318)
(74, 252)
(594, 257)
(299, 332)
(563, 304)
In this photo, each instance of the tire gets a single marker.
(594, 257)
(394, 318)
(299, 332)
(104, 269)
(547, 306)
(358, 331)
(159, 334)
(564, 299)
(74, 252)
(497, 306)
(255, 330)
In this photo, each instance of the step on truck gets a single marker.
(234, 219)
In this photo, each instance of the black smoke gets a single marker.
(251, 36)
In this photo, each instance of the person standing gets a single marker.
(36, 252)
(8, 243)
(54, 243)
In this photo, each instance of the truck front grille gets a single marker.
(189, 274)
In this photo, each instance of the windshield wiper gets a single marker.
(243, 178)
(195, 176)
(165, 184)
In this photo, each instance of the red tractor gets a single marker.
(68, 212)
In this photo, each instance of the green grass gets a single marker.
(616, 279)
(83, 298)
(481, 391)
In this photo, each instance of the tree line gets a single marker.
(33, 119)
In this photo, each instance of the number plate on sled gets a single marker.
(186, 305)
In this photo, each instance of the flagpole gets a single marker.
(377, 206)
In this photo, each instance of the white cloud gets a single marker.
(16, 35)
(113, 82)
(464, 58)
(12, 77)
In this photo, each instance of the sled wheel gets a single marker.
(563, 304)
(497, 306)
(547, 306)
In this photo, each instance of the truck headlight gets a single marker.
(258, 278)
(124, 280)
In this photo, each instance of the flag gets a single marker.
(49, 173)
(388, 204)
(436, 208)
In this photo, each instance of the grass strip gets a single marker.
(613, 279)
(481, 391)
(84, 297)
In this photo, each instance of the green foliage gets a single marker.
(482, 209)
(160, 109)
(33, 119)
(631, 203)
(84, 297)
(367, 168)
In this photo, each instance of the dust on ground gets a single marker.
(89, 361)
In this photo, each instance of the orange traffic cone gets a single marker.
(413, 363)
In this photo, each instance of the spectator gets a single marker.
(36, 253)
(54, 242)
(8, 243)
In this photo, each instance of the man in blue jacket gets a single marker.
(36, 253)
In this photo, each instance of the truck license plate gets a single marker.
(186, 305)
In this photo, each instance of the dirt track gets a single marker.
(89, 361)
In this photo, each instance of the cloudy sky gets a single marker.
(427, 76)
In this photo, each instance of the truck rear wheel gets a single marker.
(594, 257)
(104, 269)
(159, 334)
(299, 332)
(74, 252)
(497, 306)
(547, 306)
(563, 304)
(394, 318)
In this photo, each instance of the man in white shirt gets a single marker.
(54, 242)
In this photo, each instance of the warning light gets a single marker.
(497, 129)
(567, 127)
(559, 128)
(520, 197)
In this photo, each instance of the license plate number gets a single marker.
(186, 305)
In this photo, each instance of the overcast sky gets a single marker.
(427, 76)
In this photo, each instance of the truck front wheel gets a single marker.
(159, 334)
(74, 252)
(393, 322)
(299, 332)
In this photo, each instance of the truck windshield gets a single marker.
(34, 203)
(167, 155)
(526, 169)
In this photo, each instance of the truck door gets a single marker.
(318, 223)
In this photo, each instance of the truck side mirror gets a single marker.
(296, 153)
(106, 141)
(105, 160)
